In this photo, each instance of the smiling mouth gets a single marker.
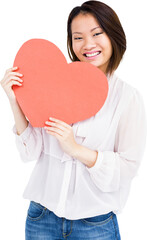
(92, 54)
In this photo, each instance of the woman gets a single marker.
(83, 172)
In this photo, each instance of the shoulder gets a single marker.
(131, 99)
(127, 90)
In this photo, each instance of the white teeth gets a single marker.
(92, 54)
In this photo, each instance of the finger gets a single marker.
(57, 136)
(61, 129)
(54, 131)
(15, 74)
(9, 81)
(11, 69)
(9, 75)
(11, 78)
(60, 122)
(56, 125)
(10, 84)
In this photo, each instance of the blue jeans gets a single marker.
(43, 224)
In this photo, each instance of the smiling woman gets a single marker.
(89, 42)
(95, 27)
(83, 172)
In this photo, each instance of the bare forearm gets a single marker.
(85, 155)
(19, 117)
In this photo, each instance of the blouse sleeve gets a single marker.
(113, 170)
(29, 143)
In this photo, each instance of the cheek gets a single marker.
(107, 46)
(109, 50)
(76, 48)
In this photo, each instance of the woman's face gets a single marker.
(89, 42)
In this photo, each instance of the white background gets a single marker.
(23, 20)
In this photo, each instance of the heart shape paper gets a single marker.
(53, 88)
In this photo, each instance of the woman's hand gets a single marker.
(64, 133)
(11, 78)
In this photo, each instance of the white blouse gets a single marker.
(68, 187)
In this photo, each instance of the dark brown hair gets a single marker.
(109, 22)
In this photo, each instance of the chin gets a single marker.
(95, 64)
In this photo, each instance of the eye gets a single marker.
(77, 38)
(96, 34)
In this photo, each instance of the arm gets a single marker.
(21, 122)
(28, 139)
(116, 169)
(29, 143)
(85, 155)
(11, 78)
(64, 133)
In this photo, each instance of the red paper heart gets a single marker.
(52, 88)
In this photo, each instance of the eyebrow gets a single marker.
(90, 31)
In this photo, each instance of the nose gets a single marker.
(89, 43)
